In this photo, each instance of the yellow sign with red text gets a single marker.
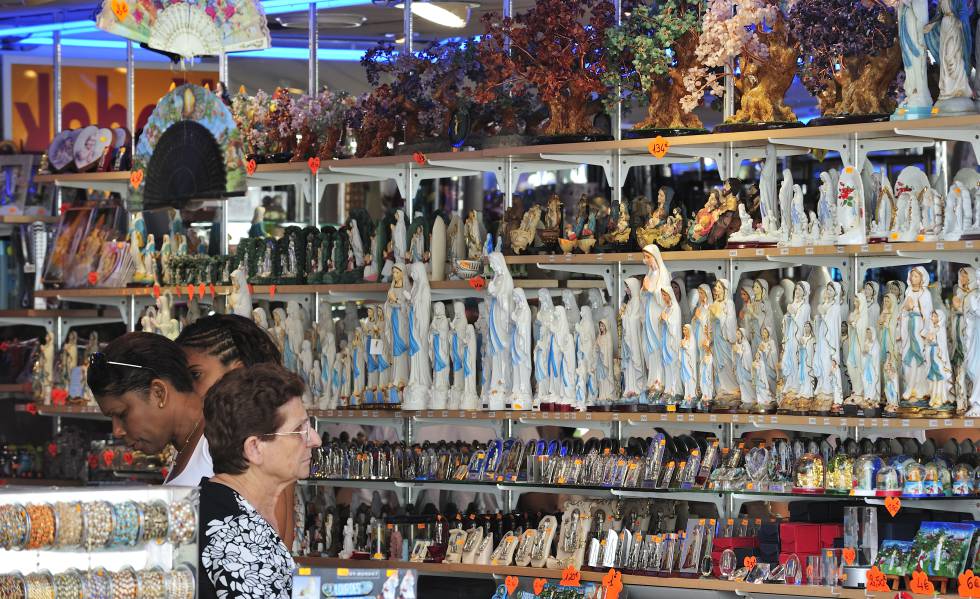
(89, 96)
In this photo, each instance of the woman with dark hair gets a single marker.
(261, 441)
(142, 382)
(215, 345)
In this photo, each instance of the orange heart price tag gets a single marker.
(121, 9)
(250, 167)
(969, 585)
(570, 577)
(511, 583)
(190, 291)
(156, 291)
(539, 585)
(749, 562)
(893, 505)
(211, 289)
(920, 584)
(875, 581)
(200, 290)
(314, 164)
(612, 584)
(848, 554)
(135, 178)
(478, 283)
(419, 158)
(659, 146)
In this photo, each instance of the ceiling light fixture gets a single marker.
(454, 15)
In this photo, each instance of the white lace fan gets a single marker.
(188, 28)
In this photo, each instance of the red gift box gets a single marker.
(736, 543)
(830, 532)
(800, 537)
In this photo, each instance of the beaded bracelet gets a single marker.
(97, 516)
(183, 522)
(152, 584)
(180, 583)
(98, 584)
(155, 521)
(39, 585)
(67, 524)
(126, 524)
(11, 586)
(42, 526)
(14, 526)
(124, 584)
(68, 584)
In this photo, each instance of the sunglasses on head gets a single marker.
(99, 361)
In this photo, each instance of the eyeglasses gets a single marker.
(307, 432)
(99, 361)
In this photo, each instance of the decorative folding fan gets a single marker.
(193, 28)
(190, 149)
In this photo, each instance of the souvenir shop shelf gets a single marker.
(15, 390)
(882, 135)
(24, 219)
(86, 412)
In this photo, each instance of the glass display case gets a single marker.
(810, 475)
(131, 541)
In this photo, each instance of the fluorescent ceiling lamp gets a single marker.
(448, 14)
(65, 27)
(329, 54)
(278, 7)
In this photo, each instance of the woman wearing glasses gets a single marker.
(142, 382)
(261, 442)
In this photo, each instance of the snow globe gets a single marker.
(963, 476)
(840, 474)
(888, 482)
(866, 470)
(914, 475)
(810, 474)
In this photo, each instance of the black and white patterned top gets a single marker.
(242, 556)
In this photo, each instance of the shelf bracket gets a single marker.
(604, 426)
(866, 263)
(476, 166)
(424, 421)
(677, 425)
(958, 257)
(606, 162)
(400, 174)
(30, 321)
(853, 151)
(599, 270)
(970, 136)
(720, 155)
(753, 426)
(299, 180)
(123, 304)
(717, 267)
(744, 267)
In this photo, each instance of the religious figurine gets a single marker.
(914, 324)
(304, 365)
(551, 222)
(703, 223)
(722, 338)
(806, 373)
(484, 373)
(473, 236)
(951, 44)
(586, 391)
(563, 385)
(396, 314)
(419, 322)
(328, 354)
(827, 208)
(621, 234)
(762, 385)
(164, 322)
(439, 343)
(798, 225)
(520, 352)
(743, 370)
(657, 280)
(470, 399)
(887, 323)
(607, 386)
(953, 225)
(545, 364)
(940, 375)
(670, 326)
(522, 237)
(633, 348)
(69, 358)
(828, 339)
(358, 368)
(871, 371)
(767, 351)
(913, 15)
(760, 312)
(854, 355)
(884, 221)
(971, 359)
(348, 549)
(456, 354)
(959, 334)
(240, 298)
(689, 369)
(797, 315)
(891, 383)
(166, 260)
(500, 297)
(850, 208)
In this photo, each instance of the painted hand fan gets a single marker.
(190, 150)
(194, 28)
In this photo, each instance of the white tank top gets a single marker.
(198, 466)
